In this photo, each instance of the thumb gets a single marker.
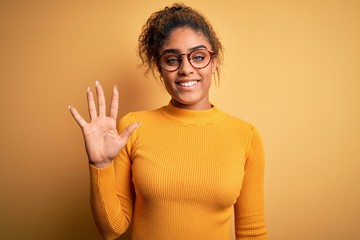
(128, 131)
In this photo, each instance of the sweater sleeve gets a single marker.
(249, 208)
(111, 191)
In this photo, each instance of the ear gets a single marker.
(213, 64)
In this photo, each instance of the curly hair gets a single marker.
(159, 27)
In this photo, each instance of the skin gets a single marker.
(102, 140)
(195, 97)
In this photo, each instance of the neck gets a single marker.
(200, 106)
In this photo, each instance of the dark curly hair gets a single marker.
(159, 27)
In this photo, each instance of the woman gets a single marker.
(189, 166)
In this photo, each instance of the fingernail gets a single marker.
(97, 82)
(138, 123)
(88, 89)
(69, 107)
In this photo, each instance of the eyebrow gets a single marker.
(178, 51)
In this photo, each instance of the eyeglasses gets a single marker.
(198, 58)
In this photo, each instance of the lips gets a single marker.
(187, 83)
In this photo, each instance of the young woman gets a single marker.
(189, 167)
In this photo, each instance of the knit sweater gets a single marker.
(182, 175)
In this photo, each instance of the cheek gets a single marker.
(164, 76)
(207, 73)
(167, 81)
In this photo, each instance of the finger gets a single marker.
(128, 131)
(91, 104)
(114, 105)
(77, 117)
(101, 99)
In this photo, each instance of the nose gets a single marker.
(185, 67)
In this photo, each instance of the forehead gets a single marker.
(184, 38)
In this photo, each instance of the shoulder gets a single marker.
(133, 117)
(237, 123)
(241, 127)
(250, 135)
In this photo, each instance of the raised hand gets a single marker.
(102, 140)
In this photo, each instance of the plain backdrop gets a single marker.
(292, 68)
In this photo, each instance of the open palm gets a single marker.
(102, 140)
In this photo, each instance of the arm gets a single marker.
(112, 193)
(112, 208)
(249, 208)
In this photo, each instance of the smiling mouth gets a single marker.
(187, 84)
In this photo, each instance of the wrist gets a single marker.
(100, 164)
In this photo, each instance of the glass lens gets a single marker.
(170, 61)
(199, 58)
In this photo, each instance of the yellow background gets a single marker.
(291, 67)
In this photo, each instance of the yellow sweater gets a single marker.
(181, 176)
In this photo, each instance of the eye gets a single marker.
(198, 56)
(171, 59)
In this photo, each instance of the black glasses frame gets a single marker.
(212, 54)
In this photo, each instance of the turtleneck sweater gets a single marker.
(183, 174)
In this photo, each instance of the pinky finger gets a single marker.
(77, 116)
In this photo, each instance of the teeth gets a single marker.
(187, 84)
